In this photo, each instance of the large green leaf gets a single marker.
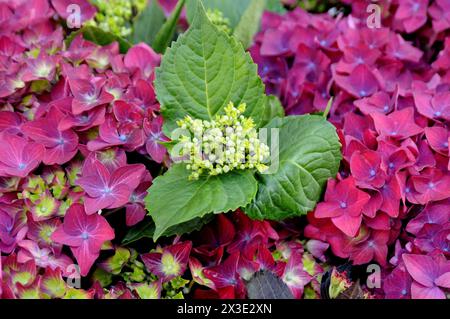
(202, 72)
(272, 110)
(174, 199)
(309, 154)
(250, 22)
(100, 37)
(165, 35)
(148, 23)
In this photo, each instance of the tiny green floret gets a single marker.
(219, 20)
(229, 142)
(116, 16)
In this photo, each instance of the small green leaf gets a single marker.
(100, 37)
(165, 35)
(174, 199)
(250, 22)
(115, 263)
(272, 110)
(328, 108)
(202, 72)
(148, 23)
(309, 154)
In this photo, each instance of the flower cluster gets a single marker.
(72, 117)
(231, 249)
(391, 109)
(229, 142)
(115, 16)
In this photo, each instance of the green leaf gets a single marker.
(143, 230)
(275, 6)
(165, 35)
(100, 37)
(174, 199)
(309, 154)
(202, 72)
(147, 229)
(102, 276)
(250, 22)
(231, 9)
(148, 23)
(272, 110)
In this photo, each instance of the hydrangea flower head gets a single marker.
(229, 142)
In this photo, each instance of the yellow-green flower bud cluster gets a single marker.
(218, 19)
(229, 142)
(116, 16)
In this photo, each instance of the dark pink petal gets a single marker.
(84, 257)
(134, 214)
(130, 175)
(87, 10)
(348, 224)
(398, 125)
(142, 57)
(360, 83)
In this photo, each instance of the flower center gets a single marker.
(343, 205)
(90, 98)
(372, 172)
(84, 235)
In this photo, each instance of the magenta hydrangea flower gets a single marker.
(397, 285)
(397, 125)
(153, 131)
(141, 58)
(84, 234)
(87, 10)
(60, 146)
(105, 189)
(294, 275)
(88, 94)
(343, 204)
(412, 14)
(430, 274)
(18, 156)
(169, 263)
(111, 134)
